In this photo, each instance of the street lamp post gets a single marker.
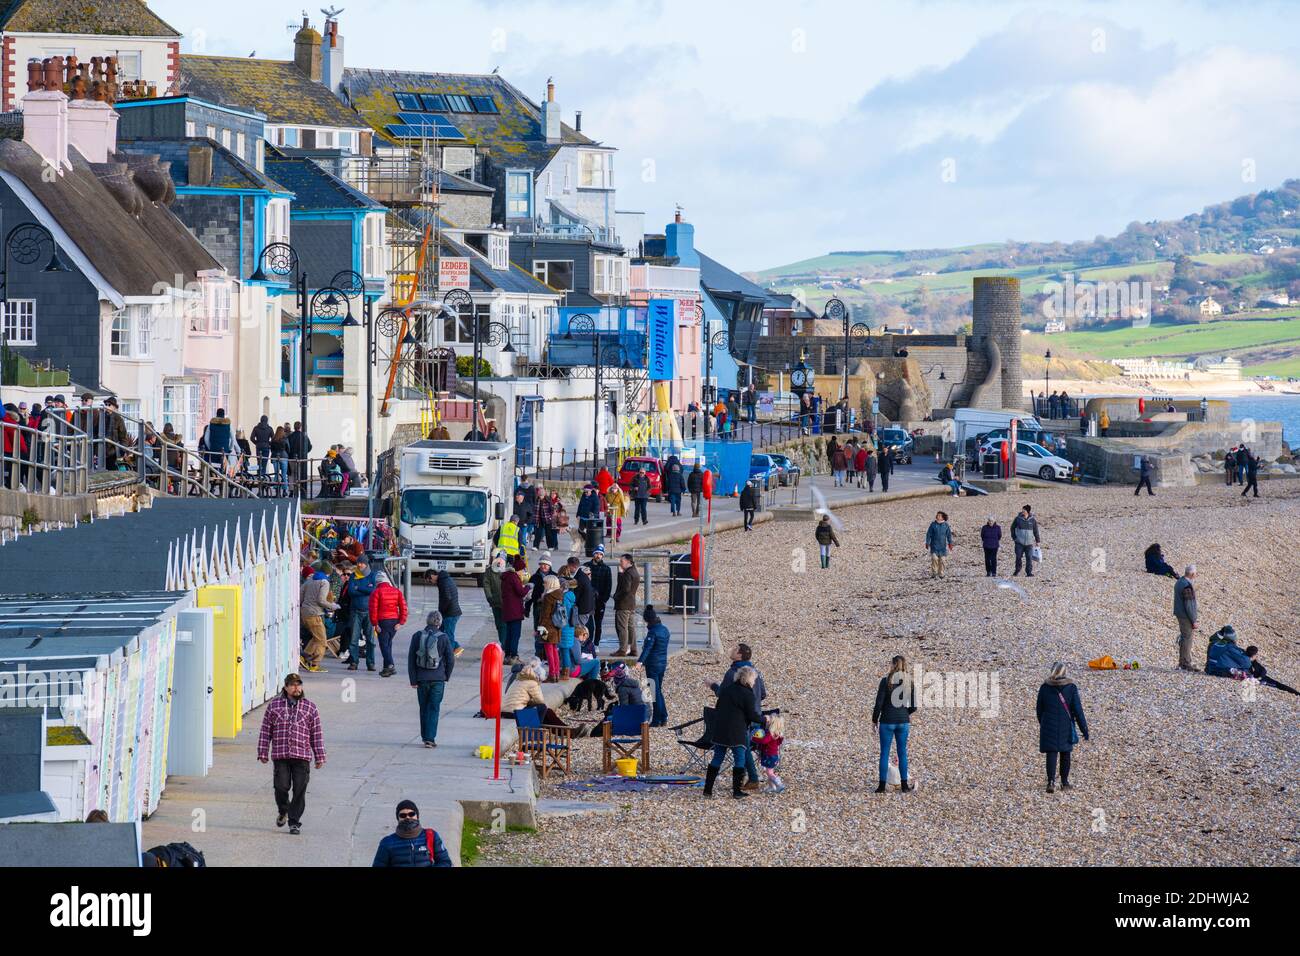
(1047, 375)
(718, 341)
(837, 311)
(280, 260)
(23, 245)
(390, 320)
(494, 333)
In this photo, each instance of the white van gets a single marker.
(971, 422)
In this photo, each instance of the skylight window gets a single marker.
(408, 101)
(434, 102)
(459, 104)
(484, 104)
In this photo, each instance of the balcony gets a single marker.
(671, 279)
(620, 333)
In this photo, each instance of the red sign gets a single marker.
(688, 312)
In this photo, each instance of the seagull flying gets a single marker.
(821, 508)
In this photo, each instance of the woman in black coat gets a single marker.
(736, 709)
(1059, 710)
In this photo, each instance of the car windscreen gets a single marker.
(648, 466)
(444, 507)
(894, 435)
(758, 461)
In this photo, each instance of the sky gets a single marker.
(789, 129)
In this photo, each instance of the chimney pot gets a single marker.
(577, 121)
(35, 75)
(550, 90)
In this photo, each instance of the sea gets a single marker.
(1271, 408)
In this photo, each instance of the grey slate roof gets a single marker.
(71, 844)
(228, 170)
(716, 277)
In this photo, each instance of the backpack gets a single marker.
(171, 855)
(426, 656)
(559, 617)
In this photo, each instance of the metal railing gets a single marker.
(46, 461)
(564, 464)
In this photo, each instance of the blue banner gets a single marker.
(661, 319)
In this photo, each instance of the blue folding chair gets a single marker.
(544, 744)
(626, 733)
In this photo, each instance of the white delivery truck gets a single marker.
(449, 500)
(970, 423)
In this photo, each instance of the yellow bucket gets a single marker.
(626, 767)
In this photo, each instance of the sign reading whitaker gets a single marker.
(661, 319)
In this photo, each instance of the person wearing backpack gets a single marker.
(429, 664)
(411, 845)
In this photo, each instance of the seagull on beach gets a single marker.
(1012, 586)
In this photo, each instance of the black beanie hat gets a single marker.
(649, 615)
(408, 805)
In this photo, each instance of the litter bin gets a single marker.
(679, 576)
(992, 467)
(593, 535)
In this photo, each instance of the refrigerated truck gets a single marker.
(449, 500)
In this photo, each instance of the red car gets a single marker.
(653, 470)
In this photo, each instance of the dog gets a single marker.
(591, 692)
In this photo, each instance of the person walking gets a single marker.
(674, 486)
(1230, 465)
(291, 738)
(695, 485)
(279, 458)
(886, 466)
(625, 601)
(991, 539)
(1144, 476)
(640, 498)
(1243, 459)
(734, 713)
(742, 657)
(749, 501)
(449, 607)
(219, 437)
(1104, 422)
(1024, 532)
(860, 459)
(825, 535)
(360, 587)
(654, 658)
(411, 845)
(892, 718)
(602, 582)
(1252, 475)
(387, 614)
(839, 464)
(492, 593)
(429, 663)
(938, 541)
(871, 467)
(513, 613)
(1059, 711)
(313, 604)
(1185, 612)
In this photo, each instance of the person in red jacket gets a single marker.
(387, 613)
(513, 592)
(860, 463)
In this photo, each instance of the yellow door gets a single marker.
(227, 657)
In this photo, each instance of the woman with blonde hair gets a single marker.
(1059, 710)
(551, 620)
(615, 509)
(892, 717)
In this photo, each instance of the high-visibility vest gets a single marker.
(509, 539)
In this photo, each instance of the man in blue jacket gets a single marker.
(412, 844)
(360, 588)
(654, 657)
(429, 664)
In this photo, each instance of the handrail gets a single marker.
(40, 461)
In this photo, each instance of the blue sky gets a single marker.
(788, 129)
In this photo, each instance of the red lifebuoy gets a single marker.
(708, 485)
(489, 681)
(697, 556)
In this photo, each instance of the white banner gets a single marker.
(453, 273)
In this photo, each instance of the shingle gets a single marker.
(101, 18)
(274, 87)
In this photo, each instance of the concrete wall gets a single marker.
(1113, 459)
(467, 210)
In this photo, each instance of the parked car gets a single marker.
(790, 472)
(1044, 438)
(902, 441)
(1032, 459)
(642, 463)
(765, 469)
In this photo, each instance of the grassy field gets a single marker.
(1177, 341)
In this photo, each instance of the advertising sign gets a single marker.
(688, 313)
(453, 273)
(661, 322)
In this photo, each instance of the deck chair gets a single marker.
(625, 734)
(699, 750)
(546, 745)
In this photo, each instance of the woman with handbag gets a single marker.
(1059, 711)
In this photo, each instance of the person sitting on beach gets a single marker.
(1260, 673)
(525, 691)
(1223, 656)
(1156, 563)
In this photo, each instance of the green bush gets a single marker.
(465, 367)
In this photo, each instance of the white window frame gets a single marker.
(326, 139)
(499, 251)
(184, 418)
(610, 276)
(277, 221)
(191, 129)
(130, 334)
(17, 314)
(124, 57)
(542, 271)
(210, 132)
(511, 201)
(216, 303)
(261, 155)
(463, 165)
(373, 249)
(241, 146)
(593, 169)
(225, 138)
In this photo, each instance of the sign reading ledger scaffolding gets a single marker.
(661, 320)
(453, 273)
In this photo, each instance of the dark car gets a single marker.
(902, 442)
(790, 472)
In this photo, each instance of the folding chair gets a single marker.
(698, 752)
(544, 744)
(627, 734)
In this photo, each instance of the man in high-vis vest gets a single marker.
(508, 538)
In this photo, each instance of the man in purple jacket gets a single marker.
(291, 738)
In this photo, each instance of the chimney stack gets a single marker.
(332, 57)
(307, 51)
(45, 112)
(577, 121)
(551, 114)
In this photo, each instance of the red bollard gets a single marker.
(489, 696)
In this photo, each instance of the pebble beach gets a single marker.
(1182, 768)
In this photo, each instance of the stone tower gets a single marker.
(996, 321)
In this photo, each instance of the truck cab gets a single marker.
(449, 500)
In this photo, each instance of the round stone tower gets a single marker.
(997, 317)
